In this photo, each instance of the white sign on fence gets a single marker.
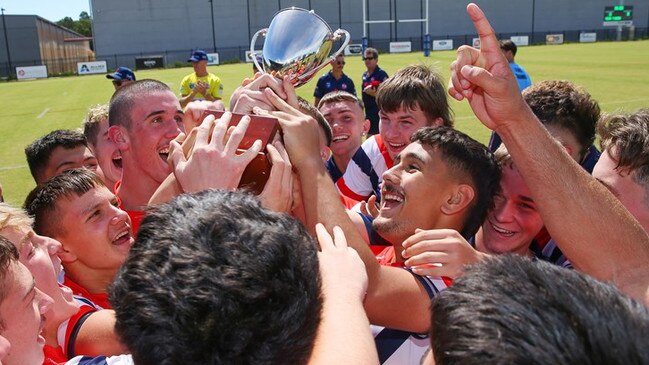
(400, 47)
(354, 50)
(443, 45)
(476, 43)
(520, 40)
(88, 68)
(554, 39)
(587, 37)
(31, 72)
(212, 58)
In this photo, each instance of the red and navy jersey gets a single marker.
(328, 83)
(98, 299)
(364, 172)
(101, 360)
(397, 347)
(67, 332)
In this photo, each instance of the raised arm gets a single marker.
(594, 231)
(344, 335)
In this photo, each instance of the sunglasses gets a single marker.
(340, 63)
(368, 58)
(117, 82)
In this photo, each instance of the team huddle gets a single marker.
(392, 239)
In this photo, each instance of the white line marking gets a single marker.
(5, 168)
(42, 114)
(624, 101)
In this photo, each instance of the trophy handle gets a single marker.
(337, 34)
(253, 54)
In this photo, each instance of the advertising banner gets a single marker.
(89, 68)
(443, 45)
(212, 58)
(31, 72)
(587, 37)
(400, 47)
(520, 40)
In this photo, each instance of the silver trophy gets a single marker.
(297, 43)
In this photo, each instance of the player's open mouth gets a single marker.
(397, 146)
(391, 197)
(164, 153)
(340, 138)
(123, 237)
(117, 162)
(502, 231)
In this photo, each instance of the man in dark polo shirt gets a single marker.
(334, 80)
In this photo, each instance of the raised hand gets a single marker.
(278, 191)
(439, 252)
(484, 78)
(212, 162)
(343, 272)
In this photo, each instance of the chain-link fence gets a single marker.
(178, 58)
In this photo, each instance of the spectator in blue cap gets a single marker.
(121, 77)
(200, 85)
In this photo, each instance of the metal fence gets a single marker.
(178, 58)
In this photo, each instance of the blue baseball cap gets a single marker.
(198, 55)
(122, 73)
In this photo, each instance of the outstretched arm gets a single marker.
(597, 234)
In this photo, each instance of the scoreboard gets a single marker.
(618, 15)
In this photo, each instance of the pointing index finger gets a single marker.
(488, 41)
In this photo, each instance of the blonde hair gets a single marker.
(90, 124)
(14, 218)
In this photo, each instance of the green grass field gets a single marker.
(615, 73)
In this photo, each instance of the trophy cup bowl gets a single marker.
(297, 43)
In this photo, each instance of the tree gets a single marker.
(82, 26)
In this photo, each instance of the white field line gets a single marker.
(42, 114)
(5, 168)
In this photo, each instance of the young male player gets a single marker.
(247, 281)
(95, 128)
(59, 151)
(412, 98)
(442, 179)
(344, 113)
(78, 210)
(596, 232)
(74, 325)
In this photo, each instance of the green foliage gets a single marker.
(82, 26)
(615, 73)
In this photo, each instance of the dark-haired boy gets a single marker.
(414, 97)
(58, 151)
(78, 210)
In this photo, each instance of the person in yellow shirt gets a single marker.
(200, 85)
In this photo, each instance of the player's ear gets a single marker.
(118, 135)
(66, 256)
(458, 200)
(325, 152)
(366, 126)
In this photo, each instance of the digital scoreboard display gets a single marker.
(618, 13)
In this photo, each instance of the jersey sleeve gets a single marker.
(101, 360)
(352, 87)
(184, 86)
(318, 92)
(355, 183)
(363, 174)
(216, 88)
